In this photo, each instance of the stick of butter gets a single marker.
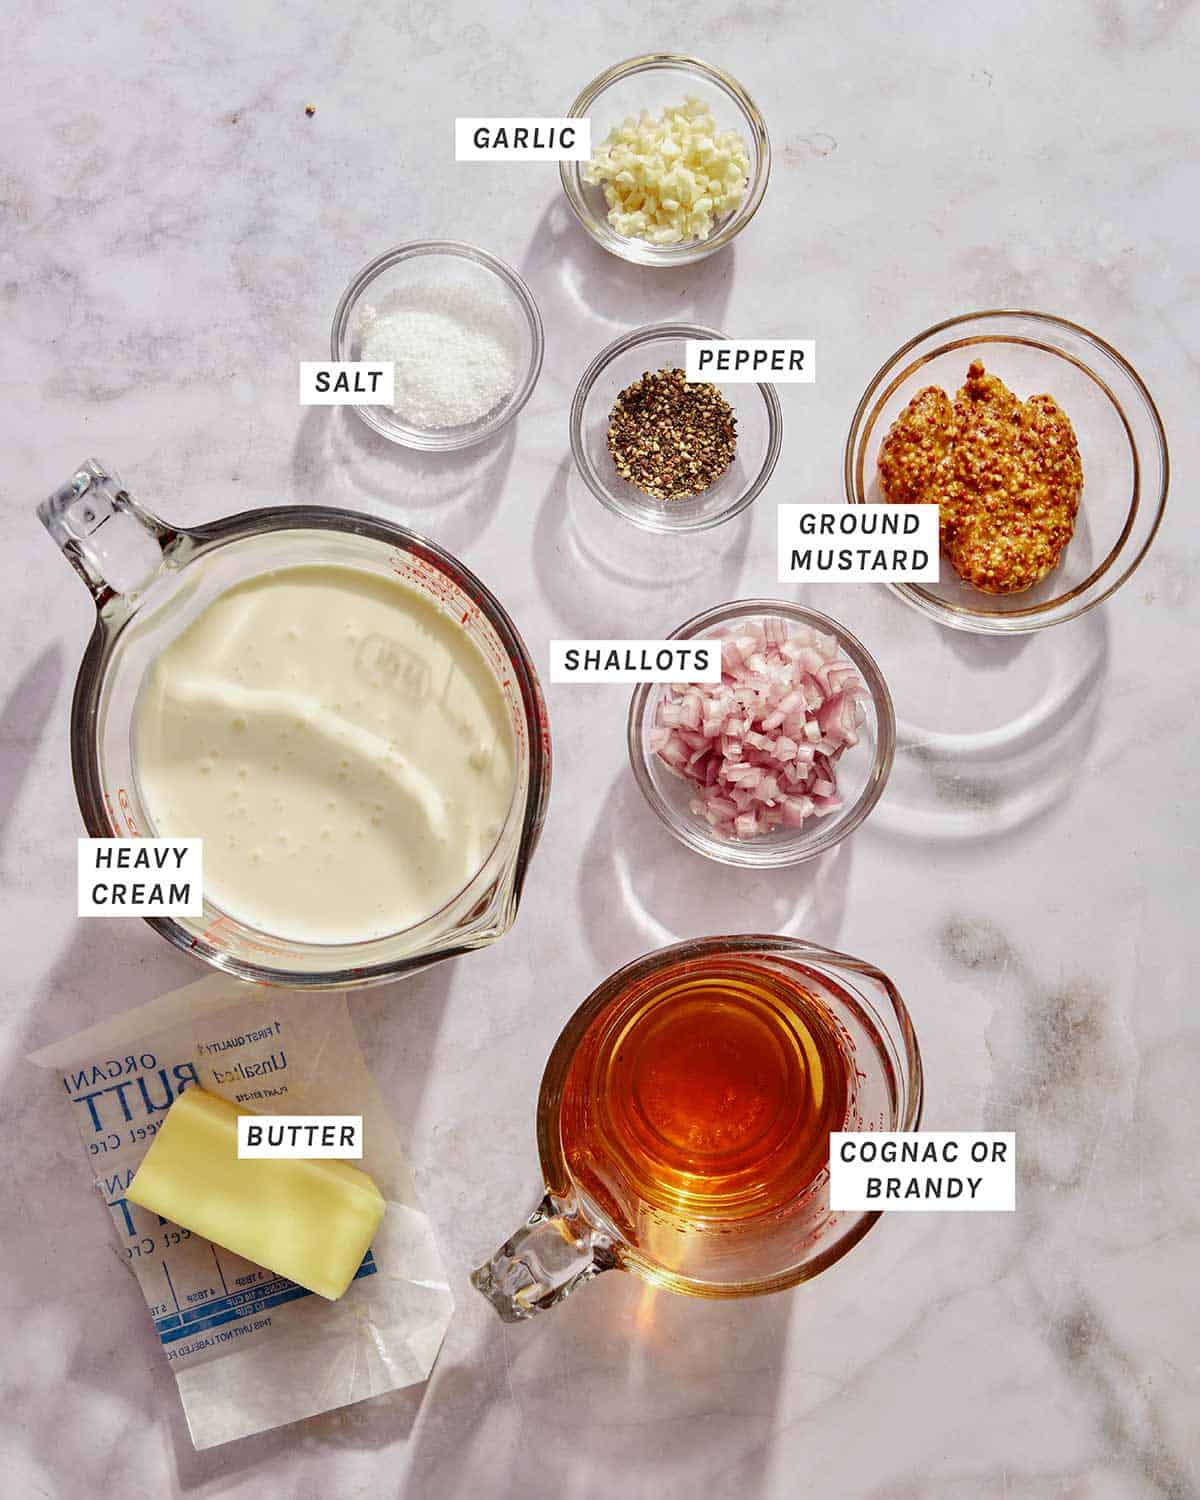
(311, 1221)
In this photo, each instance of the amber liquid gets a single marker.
(704, 1096)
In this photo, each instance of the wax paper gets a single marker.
(250, 1350)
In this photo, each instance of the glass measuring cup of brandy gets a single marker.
(151, 579)
(684, 1117)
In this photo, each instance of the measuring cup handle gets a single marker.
(556, 1250)
(114, 545)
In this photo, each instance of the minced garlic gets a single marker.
(670, 178)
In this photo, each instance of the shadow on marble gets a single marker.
(642, 888)
(571, 277)
(23, 721)
(398, 1026)
(603, 577)
(622, 1378)
(987, 653)
(450, 496)
(1024, 719)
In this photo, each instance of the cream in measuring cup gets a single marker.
(340, 744)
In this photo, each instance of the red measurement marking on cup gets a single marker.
(214, 929)
(256, 945)
(220, 926)
(543, 722)
(126, 805)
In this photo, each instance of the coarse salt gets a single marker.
(456, 350)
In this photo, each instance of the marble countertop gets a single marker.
(176, 232)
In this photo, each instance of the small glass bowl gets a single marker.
(1121, 443)
(653, 83)
(451, 261)
(862, 772)
(759, 433)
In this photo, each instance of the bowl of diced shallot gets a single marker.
(780, 759)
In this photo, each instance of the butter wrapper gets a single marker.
(250, 1350)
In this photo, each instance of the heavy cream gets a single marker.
(339, 743)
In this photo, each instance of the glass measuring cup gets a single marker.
(615, 1076)
(150, 579)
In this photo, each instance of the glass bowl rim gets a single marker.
(748, 855)
(430, 440)
(647, 333)
(628, 248)
(1035, 617)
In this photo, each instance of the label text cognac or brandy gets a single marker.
(923, 1170)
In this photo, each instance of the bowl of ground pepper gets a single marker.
(666, 453)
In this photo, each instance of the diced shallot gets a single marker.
(761, 745)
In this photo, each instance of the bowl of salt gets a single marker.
(462, 331)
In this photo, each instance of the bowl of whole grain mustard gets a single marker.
(666, 453)
(1043, 450)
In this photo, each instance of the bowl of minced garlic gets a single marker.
(680, 160)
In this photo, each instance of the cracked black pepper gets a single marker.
(670, 437)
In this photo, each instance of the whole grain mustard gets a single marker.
(1005, 474)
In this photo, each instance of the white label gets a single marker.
(347, 382)
(967, 1171)
(858, 544)
(737, 361)
(301, 1137)
(141, 877)
(635, 661)
(487, 138)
